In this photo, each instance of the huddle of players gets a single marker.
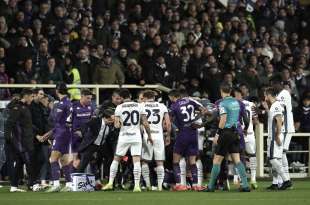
(142, 127)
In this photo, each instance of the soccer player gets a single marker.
(62, 138)
(249, 137)
(184, 110)
(228, 141)
(158, 118)
(128, 117)
(284, 97)
(275, 140)
(82, 112)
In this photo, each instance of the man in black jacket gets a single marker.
(19, 139)
(95, 133)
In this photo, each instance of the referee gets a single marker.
(227, 138)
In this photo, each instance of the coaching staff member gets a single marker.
(228, 139)
(95, 133)
(19, 139)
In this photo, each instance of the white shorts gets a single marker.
(123, 147)
(250, 144)
(157, 149)
(273, 150)
(287, 140)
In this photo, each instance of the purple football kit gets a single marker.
(183, 112)
(61, 132)
(80, 116)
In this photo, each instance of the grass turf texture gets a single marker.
(300, 194)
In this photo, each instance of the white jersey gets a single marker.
(155, 112)
(250, 109)
(284, 97)
(275, 109)
(130, 117)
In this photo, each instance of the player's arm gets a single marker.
(255, 119)
(117, 122)
(167, 125)
(146, 125)
(279, 122)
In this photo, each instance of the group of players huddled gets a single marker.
(146, 128)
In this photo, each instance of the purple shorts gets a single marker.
(186, 143)
(61, 141)
(75, 143)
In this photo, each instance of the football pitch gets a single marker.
(300, 194)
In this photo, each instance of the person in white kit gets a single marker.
(158, 118)
(249, 137)
(128, 117)
(275, 140)
(284, 97)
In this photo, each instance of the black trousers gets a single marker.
(86, 157)
(16, 160)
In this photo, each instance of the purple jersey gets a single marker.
(63, 113)
(80, 115)
(184, 112)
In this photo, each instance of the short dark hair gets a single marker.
(174, 93)
(237, 89)
(107, 113)
(149, 94)
(124, 93)
(116, 92)
(271, 91)
(26, 91)
(183, 93)
(86, 92)
(62, 88)
(225, 87)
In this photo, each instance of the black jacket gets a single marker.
(18, 128)
(90, 132)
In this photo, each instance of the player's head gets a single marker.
(183, 93)
(61, 89)
(27, 96)
(149, 95)
(140, 96)
(108, 116)
(116, 98)
(225, 89)
(125, 94)
(86, 97)
(270, 95)
(174, 95)
(276, 83)
(237, 93)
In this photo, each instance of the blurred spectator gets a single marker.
(26, 74)
(4, 79)
(51, 74)
(107, 72)
(133, 73)
(302, 115)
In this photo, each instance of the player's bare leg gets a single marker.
(113, 172)
(241, 171)
(137, 172)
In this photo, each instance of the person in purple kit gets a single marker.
(82, 112)
(62, 138)
(184, 113)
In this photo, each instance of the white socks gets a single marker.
(137, 173)
(160, 171)
(146, 174)
(113, 171)
(182, 164)
(199, 172)
(253, 165)
(56, 183)
(285, 166)
(277, 166)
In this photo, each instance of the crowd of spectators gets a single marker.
(180, 44)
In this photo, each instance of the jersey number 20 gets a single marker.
(131, 118)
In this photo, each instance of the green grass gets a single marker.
(300, 194)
